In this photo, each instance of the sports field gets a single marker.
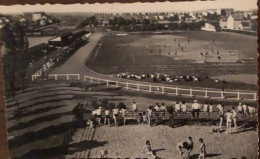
(195, 52)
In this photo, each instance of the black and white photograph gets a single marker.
(162, 80)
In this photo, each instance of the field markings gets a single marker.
(133, 58)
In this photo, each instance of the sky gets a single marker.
(134, 7)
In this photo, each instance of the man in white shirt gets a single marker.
(98, 113)
(228, 116)
(195, 109)
(123, 112)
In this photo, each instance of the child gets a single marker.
(214, 128)
(144, 118)
(140, 119)
(148, 149)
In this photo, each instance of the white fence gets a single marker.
(178, 91)
(44, 68)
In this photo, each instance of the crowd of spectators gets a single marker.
(156, 77)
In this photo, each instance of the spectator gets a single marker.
(202, 153)
(245, 109)
(107, 118)
(221, 114)
(134, 107)
(183, 149)
(190, 145)
(234, 117)
(214, 128)
(205, 107)
(240, 109)
(251, 110)
(178, 108)
(140, 118)
(123, 112)
(157, 107)
(145, 120)
(149, 112)
(115, 115)
(163, 109)
(148, 149)
(183, 107)
(210, 108)
(228, 116)
(98, 113)
(195, 109)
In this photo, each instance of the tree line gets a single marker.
(14, 49)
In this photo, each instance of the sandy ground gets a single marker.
(128, 141)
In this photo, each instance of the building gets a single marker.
(225, 12)
(223, 23)
(209, 27)
(244, 26)
(38, 16)
(234, 20)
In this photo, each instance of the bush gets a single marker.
(121, 105)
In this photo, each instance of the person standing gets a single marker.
(202, 153)
(177, 108)
(149, 117)
(221, 114)
(228, 116)
(115, 115)
(98, 112)
(240, 109)
(234, 117)
(163, 109)
(183, 107)
(190, 145)
(123, 112)
(210, 109)
(195, 109)
(107, 118)
(245, 110)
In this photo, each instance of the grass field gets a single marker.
(149, 53)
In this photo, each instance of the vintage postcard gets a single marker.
(170, 80)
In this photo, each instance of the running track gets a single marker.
(76, 64)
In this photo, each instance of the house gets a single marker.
(223, 23)
(209, 27)
(244, 26)
(234, 20)
(38, 16)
